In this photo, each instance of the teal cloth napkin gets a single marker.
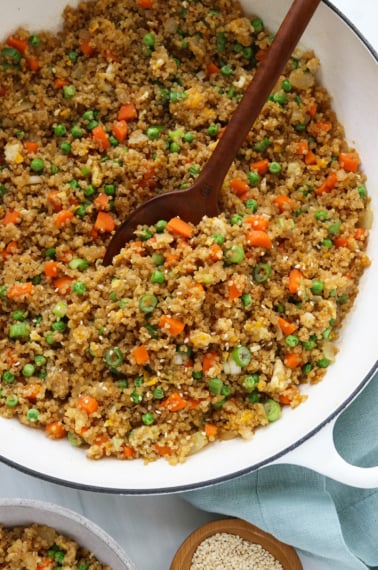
(334, 523)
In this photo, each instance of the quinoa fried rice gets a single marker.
(195, 333)
(36, 546)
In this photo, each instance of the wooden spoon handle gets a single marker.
(265, 78)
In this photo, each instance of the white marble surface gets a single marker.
(151, 528)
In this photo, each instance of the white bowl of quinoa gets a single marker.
(36, 535)
(198, 354)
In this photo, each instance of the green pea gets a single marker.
(34, 40)
(69, 91)
(317, 286)
(59, 326)
(327, 243)
(279, 98)
(60, 309)
(226, 70)
(65, 147)
(275, 167)
(37, 165)
(236, 219)
(72, 56)
(321, 215)
(257, 24)
(251, 205)
(174, 147)
(110, 189)
(188, 137)
(148, 418)
(89, 191)
(145, 234)
(153, 133)
(18, 315)
(32, 415)
(334, 228)
(306, 368)
(50, 253)
(253, 178)
(197, 374)
(246, 300)
(323, 362)
(11, 401)
(157, 277)
(28, 370)
(218, 238)
(78, 263)
(250, 382)
(291, 340)
(262, 145)
(158, 393)
(362, 191)
(194, 170)
(149, 40)
(60, 130)
(40, 360)
(286, 85)
(8, 377)
(157, 259)
(213, 130)
(77, 132)
(160, 226)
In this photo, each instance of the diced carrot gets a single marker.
(51, 269)
(359, 234)
(101, 138)
(295, 280)
(282, 202)
(104, 222)
(120, 130)
(10, 249)
(146, 4)
(17, 43)
(55, 430)
(162, 449)
(261, 166)
(341, 241)
(30, 146)
(110, 56)
(349, 161)
(328, 184)
(209, 360)
(258, 222)
(87, 48)
(59, 83)
(312, 110)
(128, 452)
(193, 403)
(62, 218)
(19, 290)
(11, 358)
(171, 259)
(66, 256)
(285, 399)
(211, 69)
(63, 285)
(174, 402)
(292, 360)
(259, 238)
(46, 564)
(323, 126)
(302, 147)
(54, 198)
(12, 217)
(239, 186)
(216, 252)
(102, 202)
(3, 91)
(171, 325)
(127, 112)
(88, 404)
(141, 355)
(234, 292)
(177, 226)
(33, 63)
(210, 430)
(286, 327)
(310, 158)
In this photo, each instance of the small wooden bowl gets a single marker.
(284, 553)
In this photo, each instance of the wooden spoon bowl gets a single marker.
(284, 553)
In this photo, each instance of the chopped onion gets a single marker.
(230, 367)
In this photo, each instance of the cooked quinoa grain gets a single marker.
(231, 552)
(36, 546)
(194, 334)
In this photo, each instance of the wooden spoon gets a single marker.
(201, 199)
